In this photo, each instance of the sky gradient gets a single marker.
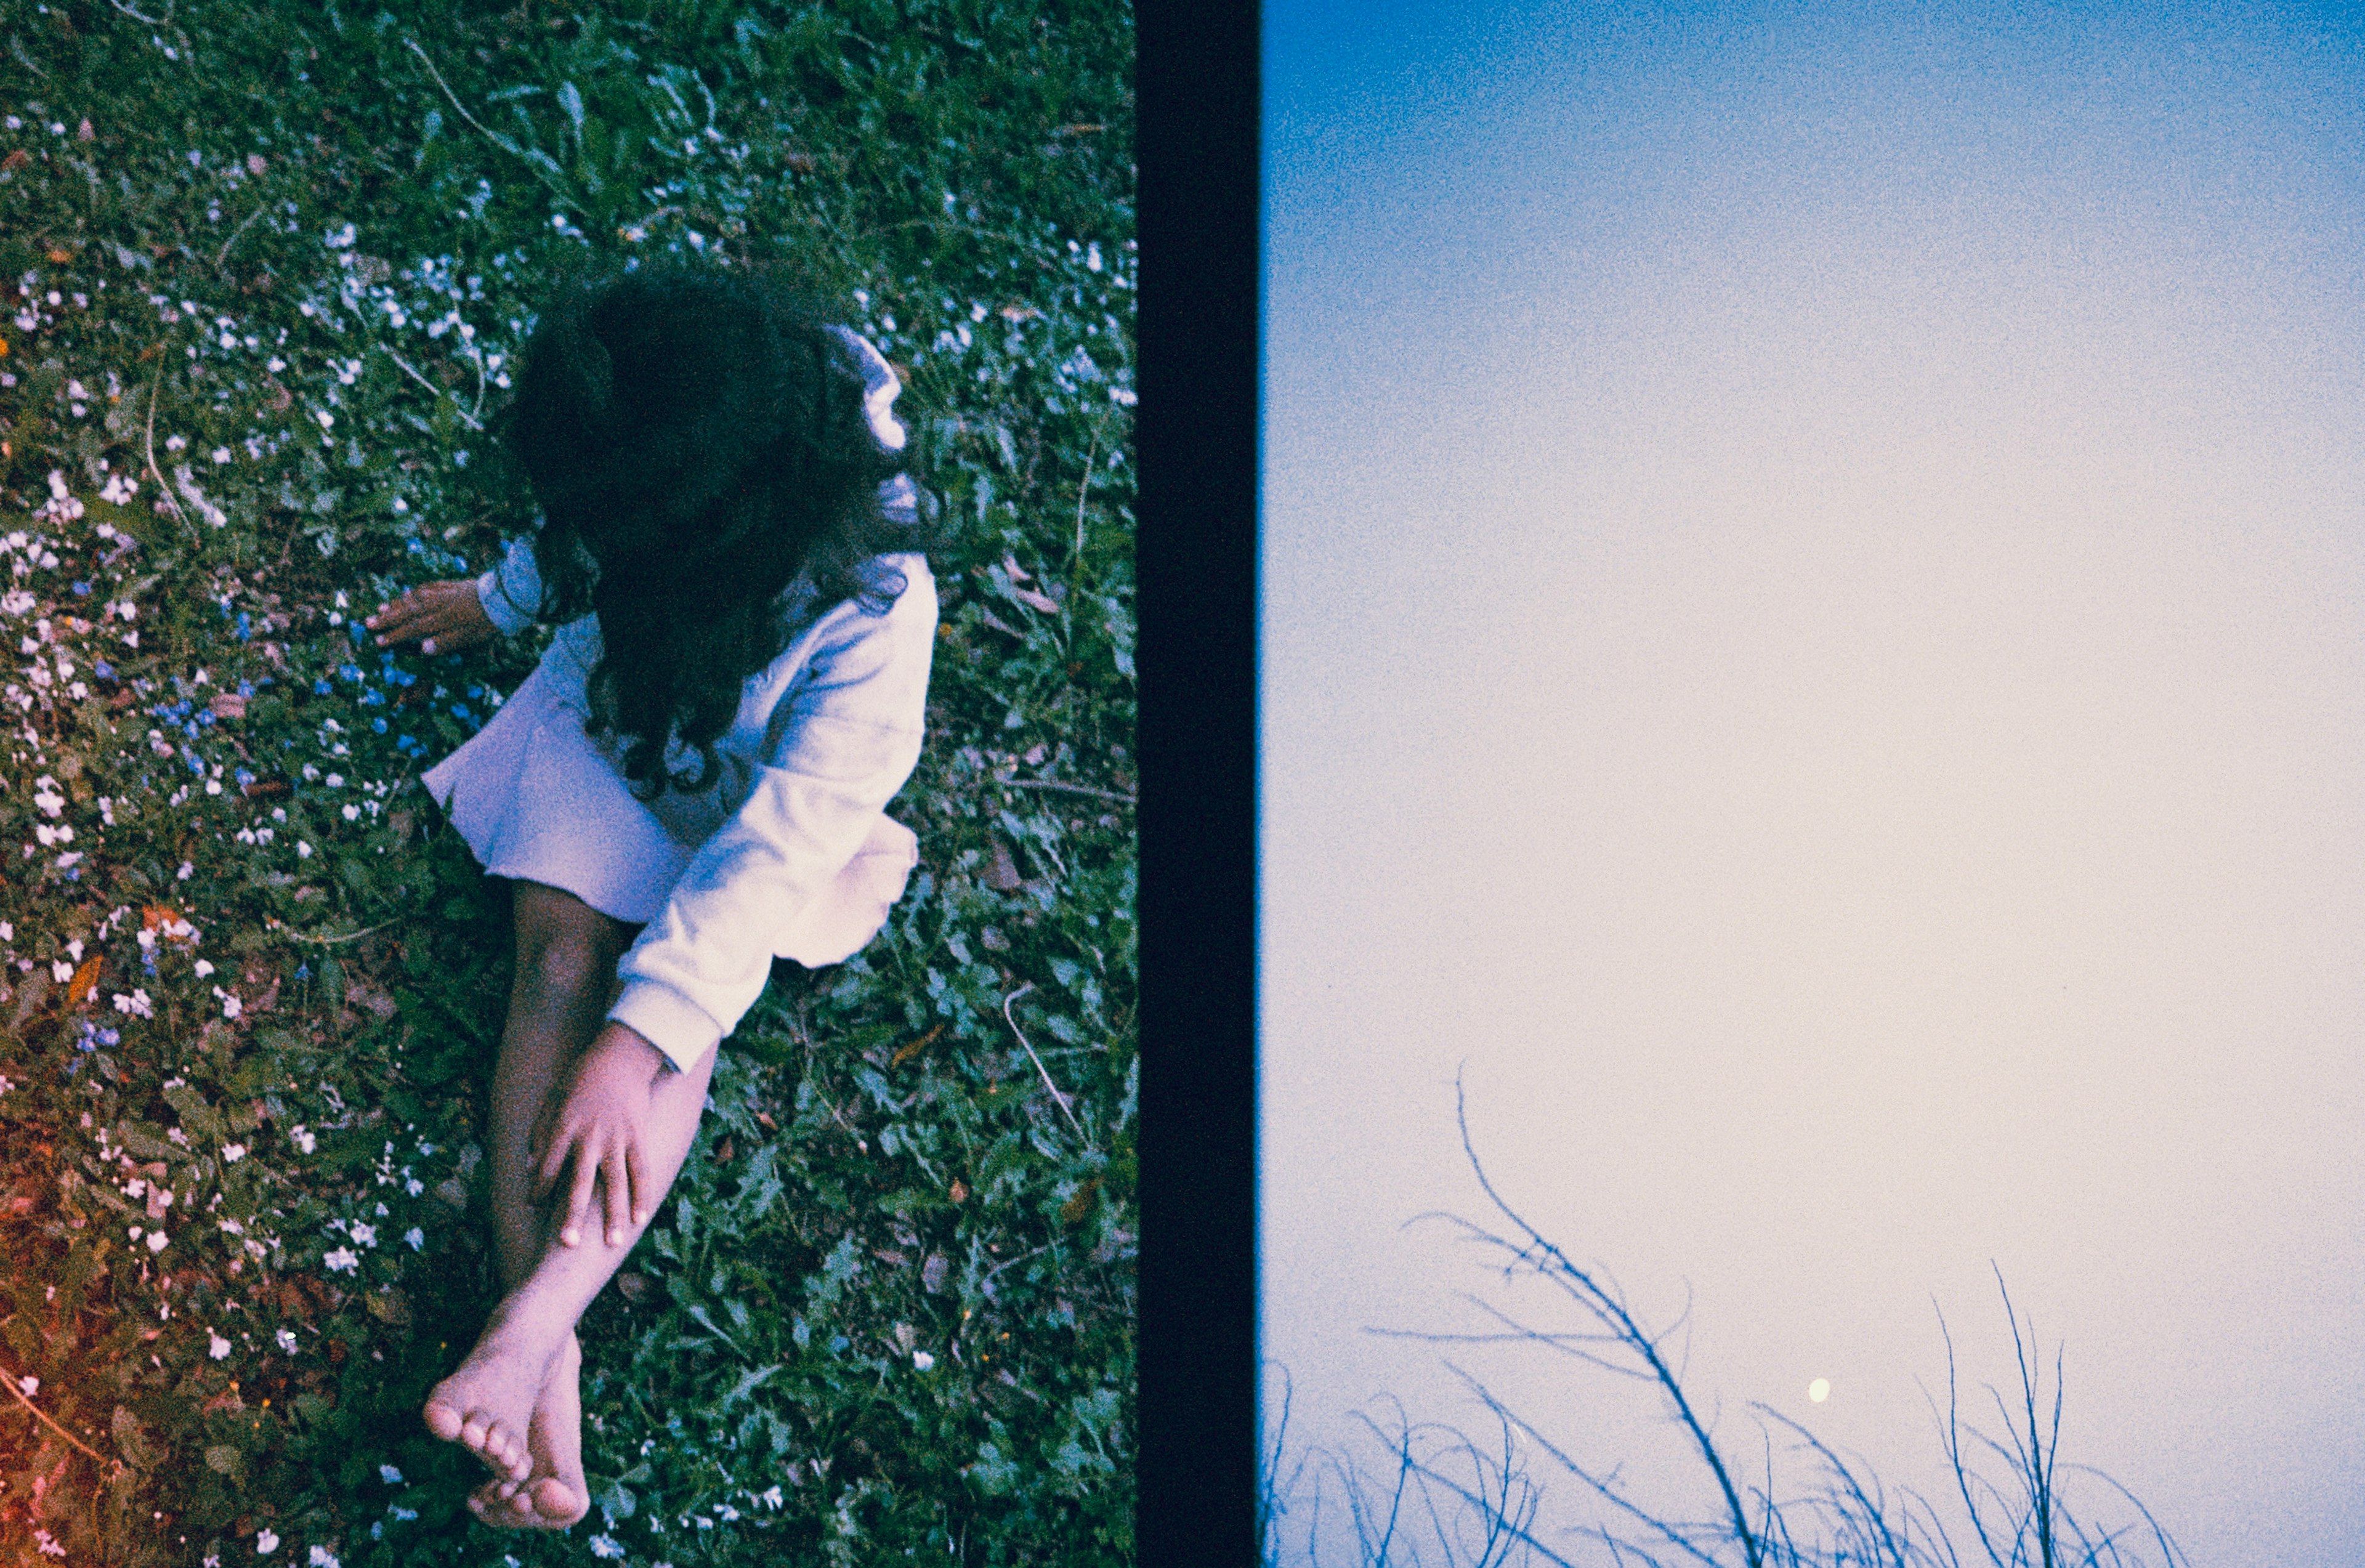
(1814, 648)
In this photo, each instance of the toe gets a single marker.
(443, 1419)
(557, 1502)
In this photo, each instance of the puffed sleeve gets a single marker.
(843, 741)
(511, 592)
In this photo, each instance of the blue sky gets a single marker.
(1811, 651)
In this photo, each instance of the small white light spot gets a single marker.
(1819, 1390)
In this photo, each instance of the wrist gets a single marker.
(623, 1041)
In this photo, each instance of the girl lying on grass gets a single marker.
(690, 783)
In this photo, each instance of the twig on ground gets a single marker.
(498, 140)
(155, 384)
(1057, 1098)
(430, 387)
(1084, 486)
(223, 254)
(329, 941)
(18, 1389)
(1065, 789)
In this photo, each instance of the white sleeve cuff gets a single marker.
(674, 1023)
(511, 591)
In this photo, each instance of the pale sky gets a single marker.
(1814, 638)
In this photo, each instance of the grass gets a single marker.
(1425, 1495)
(250, 1003)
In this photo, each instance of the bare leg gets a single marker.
(502, 1403)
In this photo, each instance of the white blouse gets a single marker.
(824, 737)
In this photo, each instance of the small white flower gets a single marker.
(365, 1234)
(415, 1238)
(232, 1153)
(265, 1541)
(32, 1385)
(336, 781)
(323, 1558)
(304, 1139)
(60, 971)
(922, 1361)
(156, 1241)
(303, 850)
(48, 1543)
(606, 1546)
(352, 812)
(286, 1338)
(771, 1499)
(218, 1347)
(344, 1260)
(204, 969)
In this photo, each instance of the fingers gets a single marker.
(553, 1160)
(446, 611)
(645, 1196)
(619, 1195)
(579, 1200)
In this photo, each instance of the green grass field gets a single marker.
(264, 269)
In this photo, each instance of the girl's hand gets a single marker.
(599, 1128)
(448, 615)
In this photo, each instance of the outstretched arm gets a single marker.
(456, 613)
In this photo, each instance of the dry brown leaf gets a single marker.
(905, 1053)
(85, 980)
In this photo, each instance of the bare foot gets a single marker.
(486, 1406)
(555, 1495)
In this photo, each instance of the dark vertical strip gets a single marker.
(1196, 553)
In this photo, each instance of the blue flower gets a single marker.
(246, 687)
(378, 725)
(245, 630)
(82, 590)
(244, 777)
(104, 670)
(304, 971)
(108, 1036)
(461, 713)
(320, 688)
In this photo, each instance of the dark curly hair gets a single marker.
(695, 439)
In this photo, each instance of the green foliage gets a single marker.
(888, 1307)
